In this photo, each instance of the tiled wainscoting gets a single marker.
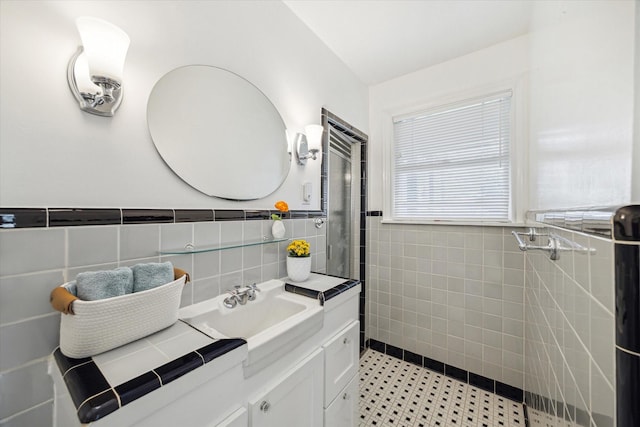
(570, 333)
(35, 260)
(454, 294)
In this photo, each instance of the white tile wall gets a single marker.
(34, 261)
(570, 332)
(451, 293)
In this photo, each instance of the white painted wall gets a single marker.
(504, 63)
(582, 79)
(53, 154)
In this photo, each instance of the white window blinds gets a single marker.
(453, 163)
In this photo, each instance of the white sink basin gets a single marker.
(273, 324)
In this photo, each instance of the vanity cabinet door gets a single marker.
(341, 355)
(294, 400)
(343, 411)
(238, 419)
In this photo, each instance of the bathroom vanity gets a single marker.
(288, 357)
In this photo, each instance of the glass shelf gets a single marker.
(191, 249)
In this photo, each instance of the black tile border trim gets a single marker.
(94, 397)
(325, 296)
(14, 218)
(147, 216)
(626, 224)
(194, 215)
(63, 217)
(484, 383)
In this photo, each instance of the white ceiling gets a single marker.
(383, 39)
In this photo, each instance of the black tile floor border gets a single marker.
(487, 384)
(94, 397)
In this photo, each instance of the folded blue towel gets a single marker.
(95, 285)
(151, 275)
(71, 288)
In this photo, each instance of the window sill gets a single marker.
(466, 223)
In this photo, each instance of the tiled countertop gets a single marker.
(103, 383)
(321, 286)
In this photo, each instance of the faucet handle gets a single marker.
(251, 291)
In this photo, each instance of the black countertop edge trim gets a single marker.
(98, 406)
(220, 347)
(513, 393)
(374, 213)
(176, 368)
(94, 397)
(138, 387)
(321, 296)
(65, 363)
(626, 224)
(68, 217)
(11, 218)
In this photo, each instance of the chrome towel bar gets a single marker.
(555, 245)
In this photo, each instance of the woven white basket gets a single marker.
(101, 325)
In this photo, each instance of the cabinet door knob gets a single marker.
(345, 396)
(264, 406)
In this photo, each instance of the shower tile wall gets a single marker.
(570, 332)
(34, 261)
(452, 293)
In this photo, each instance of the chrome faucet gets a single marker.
(240, 295)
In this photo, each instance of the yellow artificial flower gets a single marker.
(299, 248)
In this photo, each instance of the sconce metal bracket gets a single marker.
(108, 94)
(303, 153)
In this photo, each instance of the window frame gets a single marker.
(518, 148)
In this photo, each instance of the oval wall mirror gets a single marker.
(218, 132)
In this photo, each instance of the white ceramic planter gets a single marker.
(298, 268)
(277, 229)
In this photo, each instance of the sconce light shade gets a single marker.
(314, 136)
(104, 48)
(310, 145)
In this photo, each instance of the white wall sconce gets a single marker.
(308, 146)
(95, 70)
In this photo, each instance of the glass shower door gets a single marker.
(339, 215)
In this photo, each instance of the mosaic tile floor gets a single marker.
(394, 393)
